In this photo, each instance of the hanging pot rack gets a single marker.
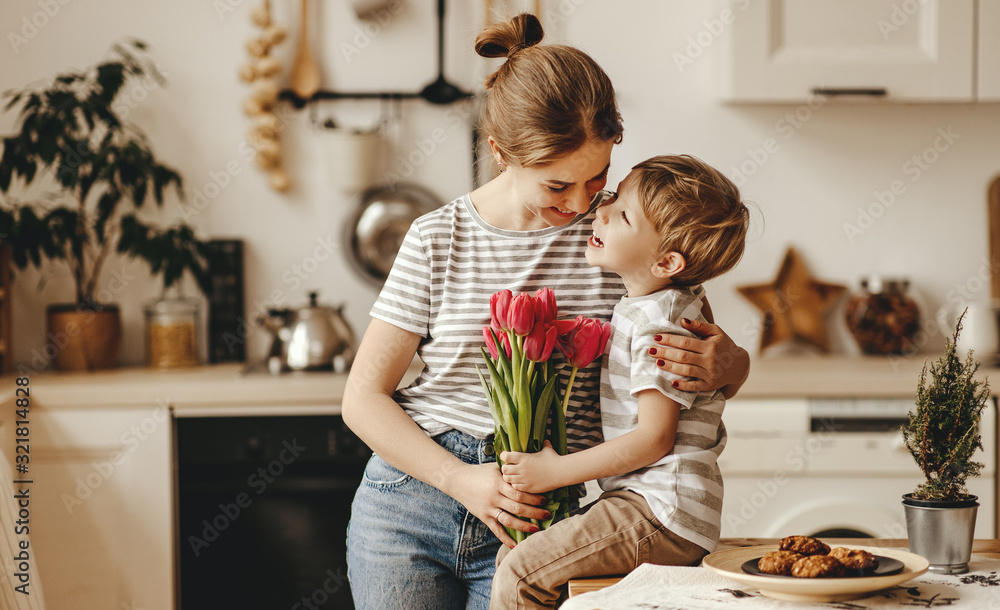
(439, 91)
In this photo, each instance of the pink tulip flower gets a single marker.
(499, 306)
(586, 342)
(492, 346)
(539, 343)
(521, 315)
(545, 305)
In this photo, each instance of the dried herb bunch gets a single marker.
(943, 431)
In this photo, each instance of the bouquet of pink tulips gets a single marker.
(523, 387)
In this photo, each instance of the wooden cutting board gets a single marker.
(993, 212)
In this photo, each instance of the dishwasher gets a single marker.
(833, 467)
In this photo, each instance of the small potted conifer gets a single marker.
(943, 436)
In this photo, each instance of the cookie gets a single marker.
(817, 566)
(778, 562)
(855, 559)
(803, 545)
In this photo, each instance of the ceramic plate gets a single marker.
(885, 567)
(814, 590)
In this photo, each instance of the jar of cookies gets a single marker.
(884, 317)
(172, 333)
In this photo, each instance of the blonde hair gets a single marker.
(697, 212)
(545, 101)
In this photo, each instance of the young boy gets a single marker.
(675, 223)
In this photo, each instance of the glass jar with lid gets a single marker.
(884, 317)
(172, 333)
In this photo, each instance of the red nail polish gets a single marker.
(534, 529)
(658, 338)
(652, 351)
(676, 384)
(660, 363)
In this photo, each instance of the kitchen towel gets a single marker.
(653, 587)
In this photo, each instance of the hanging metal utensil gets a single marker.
(384, 214)
(441, 91)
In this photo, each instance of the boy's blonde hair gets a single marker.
(697, 212)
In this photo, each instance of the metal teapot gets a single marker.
(316, 337)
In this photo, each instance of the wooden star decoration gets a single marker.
(794, 305)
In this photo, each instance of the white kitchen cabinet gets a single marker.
(988, 64)
(891, 50)
(101, 513)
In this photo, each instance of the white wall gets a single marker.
(829, 161)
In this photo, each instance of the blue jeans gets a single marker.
(410, 546)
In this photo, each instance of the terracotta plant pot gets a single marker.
(84, 339)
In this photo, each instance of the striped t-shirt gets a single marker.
(449, 264)
(684, 488)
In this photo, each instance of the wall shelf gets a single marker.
(323, 94)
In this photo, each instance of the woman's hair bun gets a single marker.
(505, 38)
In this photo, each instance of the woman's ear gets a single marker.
(669, 265)
(495, 150)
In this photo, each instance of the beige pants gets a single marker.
(614, 535)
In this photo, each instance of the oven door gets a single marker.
(263, 506)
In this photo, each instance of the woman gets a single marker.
(428, 519)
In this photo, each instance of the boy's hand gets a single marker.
(533, 472)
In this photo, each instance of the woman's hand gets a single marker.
(713, 362)
(482, 490)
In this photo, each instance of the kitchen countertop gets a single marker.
(207, 389)
(202, 391)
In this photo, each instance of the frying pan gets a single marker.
(379, 224)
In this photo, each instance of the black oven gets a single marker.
(262, 511)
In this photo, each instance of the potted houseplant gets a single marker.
(942, 436)
(72, 132)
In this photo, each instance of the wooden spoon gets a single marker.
(993, 215)
(305, 71)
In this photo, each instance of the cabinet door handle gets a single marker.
(869, 91)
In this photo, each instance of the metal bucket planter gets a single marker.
(942, 531)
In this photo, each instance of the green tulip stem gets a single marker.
(569, 390)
